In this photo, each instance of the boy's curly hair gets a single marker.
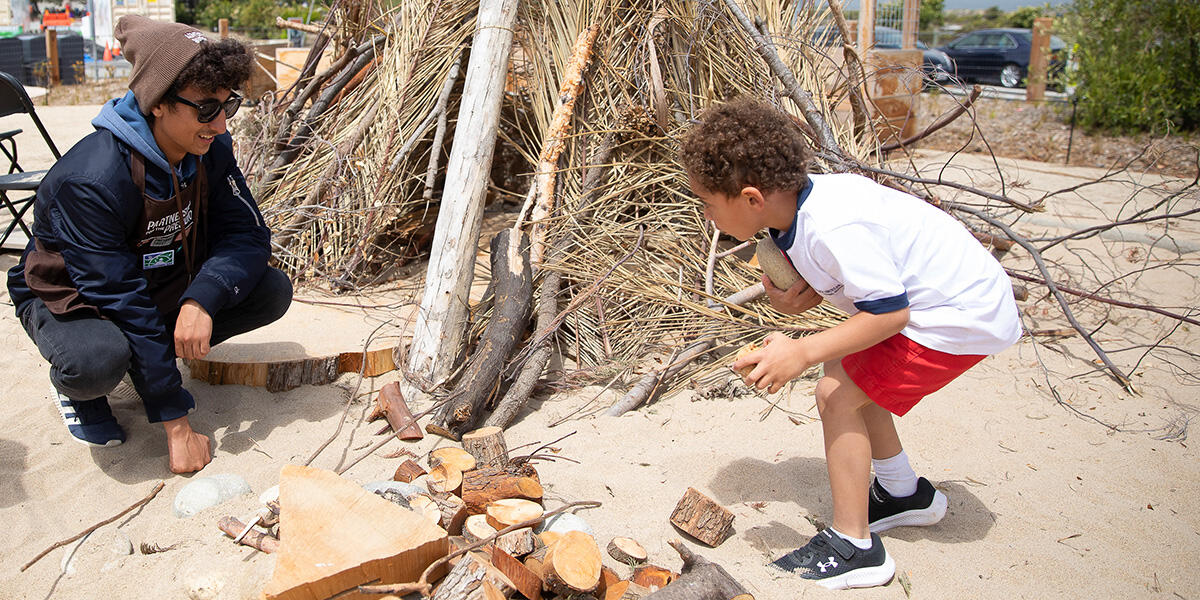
(219, 64)
(745, 142)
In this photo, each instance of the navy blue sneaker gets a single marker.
(836, 564)
(925, 507)
(91, 422)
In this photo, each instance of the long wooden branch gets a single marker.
(641, 391)
(59, 544)
(425, 588)
(942, 121)
(857, 74)
(1104, 299)
(1115, 372)
(803, 99)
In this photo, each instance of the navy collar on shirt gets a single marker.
(784, 239)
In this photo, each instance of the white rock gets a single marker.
(205, 492)
(565, 522)
(271, 495)
(204, 586)
(69, 564)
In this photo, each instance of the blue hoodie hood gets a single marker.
(122, 117)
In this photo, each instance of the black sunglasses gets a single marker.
(208, 109)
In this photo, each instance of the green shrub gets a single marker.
(1138, 63)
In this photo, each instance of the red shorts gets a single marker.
(897, 372)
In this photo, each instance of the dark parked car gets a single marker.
(1000, 55)
(936, 64)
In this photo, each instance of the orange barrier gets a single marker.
(53, 19)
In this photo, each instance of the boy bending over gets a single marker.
(926, 302)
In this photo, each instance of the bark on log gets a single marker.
(518, 542)
(454, 512)
(465, 580)
(527, 582)
(255, 539)
(390, 404)
(283, 375)
(702, 518)
(700, 580)
(572, 564)
(487, 445)
(484, 486)
(512, 280)
(408, 471)
(439, 336)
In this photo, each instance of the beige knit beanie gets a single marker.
(158, 52)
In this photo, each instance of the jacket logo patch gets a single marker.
(162, 240)
(156, 260)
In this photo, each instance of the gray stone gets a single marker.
(404, 489)
(565, 522)
(206, 492)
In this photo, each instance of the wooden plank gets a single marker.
(335, 535)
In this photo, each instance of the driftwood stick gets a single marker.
(512, 278)
(438, 112)
(423, 587)
(803, 99)
(854, 65)
(255, 539)
(439, 134)
(284, 133)
(942, 121)
(711, 266)
(281, 23)
(1116, 373)
(154, 492)
(641, 391)
(1098, 298)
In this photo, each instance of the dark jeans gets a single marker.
(88, 356)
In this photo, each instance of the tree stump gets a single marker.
(702, 518)
(487, 445)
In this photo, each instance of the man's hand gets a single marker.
(793, 301)
(193, 331)
(187, 450)
(779, 361)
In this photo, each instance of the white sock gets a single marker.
(896, 475)
(861, 544)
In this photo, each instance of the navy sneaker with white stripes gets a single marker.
(836, 564)
(90, 422)
(925, 507)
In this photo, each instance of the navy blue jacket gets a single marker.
(88, 209)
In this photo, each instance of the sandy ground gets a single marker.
(1043, 503)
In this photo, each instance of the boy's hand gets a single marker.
(780, 360)
(793, 301)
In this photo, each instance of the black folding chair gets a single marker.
(14, 100)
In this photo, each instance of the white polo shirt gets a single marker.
(866, 247)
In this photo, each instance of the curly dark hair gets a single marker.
(746, 142)
(223, 64)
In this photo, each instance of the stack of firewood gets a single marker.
(468, 523)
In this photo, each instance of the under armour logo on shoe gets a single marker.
(827, 565)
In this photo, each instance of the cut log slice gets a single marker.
(702, 518)
(518, 542)
(273, 357)
(487, 446)
(408, 471)
(653, 577)
(510, 511)
(426, 507)
(627, 551)
(489, 484)
(572, 564)
(458, 458)
(444, 478)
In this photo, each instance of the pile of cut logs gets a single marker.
(468, 525)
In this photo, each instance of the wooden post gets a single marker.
(223, 27)
(1039, 57)
(866, 26)
(910, 23)
(440, 324)
(52, 56)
